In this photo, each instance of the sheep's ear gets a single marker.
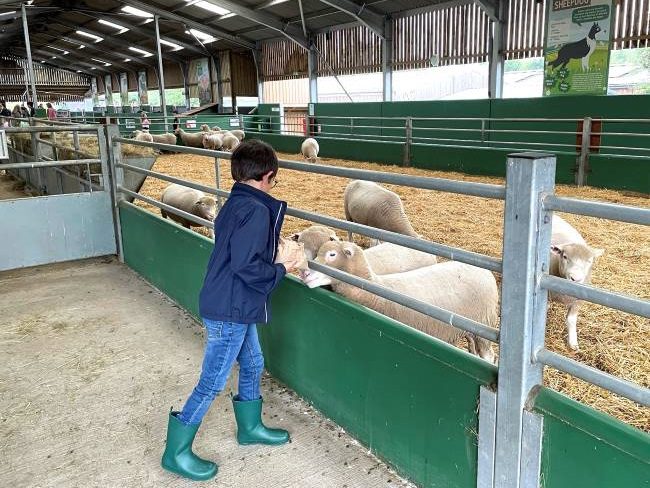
(597, 252)
(348, 251)
(334, 238)
(295, 236)
(556, 250)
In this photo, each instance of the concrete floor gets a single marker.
(92, 360)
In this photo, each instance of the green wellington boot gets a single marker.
(250, 429)
(178, 456)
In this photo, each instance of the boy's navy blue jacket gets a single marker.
(241, 273)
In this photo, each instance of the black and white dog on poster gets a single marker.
(581, 49)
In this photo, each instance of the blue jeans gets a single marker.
(226, 342)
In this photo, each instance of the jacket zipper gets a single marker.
(277, 217)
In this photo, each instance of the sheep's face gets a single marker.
(575, 261)
(339, 255)
(313, 238)
(207, 208)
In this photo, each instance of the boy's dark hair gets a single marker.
(252, 159)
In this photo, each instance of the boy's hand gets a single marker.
(290, 265)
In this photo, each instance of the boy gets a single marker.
(241, 274)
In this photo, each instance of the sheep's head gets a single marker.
(575, 261)
(205, 128)
(206, 208)
(313, 238)
(345, 256)
(178, 131)
(136, 133)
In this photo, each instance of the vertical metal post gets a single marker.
(161, 74)
(496, 57)
(312, 62)
(217, 176)
(185, 70)
(583, 158)
(482, 130)
(257, 58)
(526, 245)
(387, 60)
(115, 178)
(408, 136)
(28, 47)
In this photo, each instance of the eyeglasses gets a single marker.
(274, 184)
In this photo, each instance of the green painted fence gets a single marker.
(480, 149)
(410, 398)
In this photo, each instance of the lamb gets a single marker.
(230, 142)
(386, 258)
(216, 128)
(212, 141)
(371, 204)
(194, 139)
(571, 259)
(167, 138)
(460, 288)
(239, 134)
(309, 149)
(138, 135)
(191, 201)
(205, 128)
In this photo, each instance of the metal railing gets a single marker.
(529, 203)
(34, 172)
(581, 138)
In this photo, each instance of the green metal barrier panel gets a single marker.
(624, 170)
(583, 447)
(410, 398)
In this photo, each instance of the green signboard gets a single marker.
(576, 48)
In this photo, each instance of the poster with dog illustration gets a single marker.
(576, 51)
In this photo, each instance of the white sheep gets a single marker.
(460, 288)
(191, 201)
(239, 134)
(205, 128)
(166, 138)
(194, 139)
(368, 203)
(572, 259)
(386, 258)
(230, 142)
(139, 135)
(212, 141)
(216, 128)
(313, 238)
(309, 149)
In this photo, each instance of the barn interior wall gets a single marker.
(426, 429)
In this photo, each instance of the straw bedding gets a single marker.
(612, 341)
